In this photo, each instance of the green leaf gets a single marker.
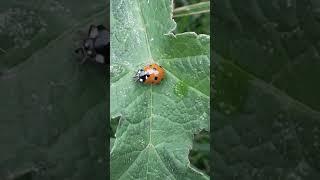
(155, 131)
(267, 101)
(198, 8)
(53, 115)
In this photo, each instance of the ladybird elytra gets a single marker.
(150, 74)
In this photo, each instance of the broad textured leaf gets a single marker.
(266, 116)
(157, 124)
(52, 116)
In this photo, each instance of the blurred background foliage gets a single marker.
(53, 110)
(266, 112)
(199, 23)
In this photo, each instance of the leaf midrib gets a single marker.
(151, 94)
(157, 155)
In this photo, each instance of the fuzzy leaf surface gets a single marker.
(155, 132)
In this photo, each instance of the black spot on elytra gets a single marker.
(148, 75)
(150, 65)
(155, 69)
(155, 78)
(160, 66)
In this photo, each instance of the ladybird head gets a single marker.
(141, 75)
(91, 47)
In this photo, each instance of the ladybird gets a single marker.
(150, 74)
(95, 46)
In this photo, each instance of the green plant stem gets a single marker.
(198, 8)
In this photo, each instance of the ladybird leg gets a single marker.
(90, 29)
(80, 53)
(84, 58)
(93, 31)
